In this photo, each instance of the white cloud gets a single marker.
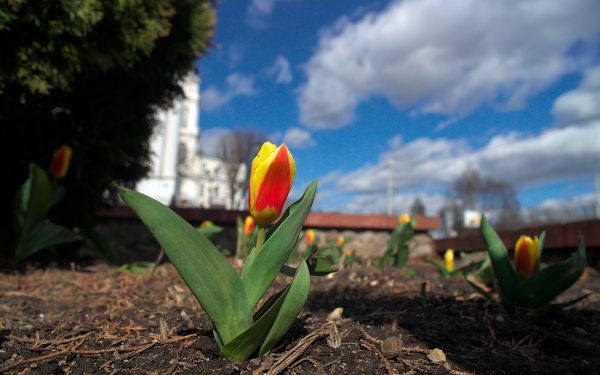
(445, 57)
(209, 140)
(275, 137)
(298, 138)
(329, 178)
(235, 54)
(262, 6)
(562, 210)
(556, 154)
(585, 200)
(583, 103)
(258, 10)
(401, 203)
(423, 162)
(214, 98)
(280, 70)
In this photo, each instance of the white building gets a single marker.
(179, 175)
(208, 187)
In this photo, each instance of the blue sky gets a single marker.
(421, 89)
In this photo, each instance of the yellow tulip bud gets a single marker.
(403, 219)
(449, 259)
(206, 224)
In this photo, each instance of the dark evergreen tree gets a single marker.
(91, 74)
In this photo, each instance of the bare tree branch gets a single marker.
(237, 149)
(476, 192)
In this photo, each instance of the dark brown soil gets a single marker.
(99, 320)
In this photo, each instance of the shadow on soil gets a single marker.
(476, 335)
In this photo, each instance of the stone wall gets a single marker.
(133, 241)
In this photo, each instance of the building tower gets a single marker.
(173, 145)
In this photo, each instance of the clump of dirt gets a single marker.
(99, 320)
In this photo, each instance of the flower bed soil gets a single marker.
(97, 320)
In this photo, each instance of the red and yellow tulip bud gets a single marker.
(271, 178)
(61, 161)
(526, 255)
(403, 219)
(310, 237)
(340, 240)
(449, 259)
(248, 226)
(348, 252)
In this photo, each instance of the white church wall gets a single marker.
(177, 169)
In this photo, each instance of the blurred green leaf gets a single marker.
(405, 234)
(505, 274)
(58, 194)
(101, 244)
(441, 266)
(556, 306)
(32, 202)
(205, 270)
(138, 268)
(210, 231)
(470, 279)
(44, 235)
(321, 266)
(397, 247)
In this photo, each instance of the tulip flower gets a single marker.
(248, 226)
(61, 161)
(449, 259)
(271, 178)
(403, 219)
(526, 255)
(207, 224)
(340, 240)
(310, 237)
(348, 252)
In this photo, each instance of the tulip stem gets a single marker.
(260, 238)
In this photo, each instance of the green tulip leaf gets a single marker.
(441, 266)
(263, 266)
(33, 200)
(405, 234)
(101, 243)
(292, 304)
(505, 274)
(471, 280)
(272, 322)
(321, 266)
(249, 262)
(58, 194)
(42, 236)
(545, 285)
(397, 246)
(556, 306)
(210, 231)
(205, 270)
